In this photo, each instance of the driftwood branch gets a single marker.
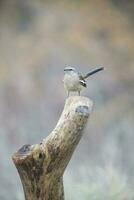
(41, 166)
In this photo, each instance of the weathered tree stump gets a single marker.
(41, 166)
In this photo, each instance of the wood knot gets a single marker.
(84, 110)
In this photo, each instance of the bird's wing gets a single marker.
(82, 81)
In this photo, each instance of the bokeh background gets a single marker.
(37, 39)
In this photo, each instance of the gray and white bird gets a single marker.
(74, 81)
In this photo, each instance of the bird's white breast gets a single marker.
(71, 82)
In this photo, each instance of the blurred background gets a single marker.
(37, 39)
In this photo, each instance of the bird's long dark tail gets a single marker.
(93, 72)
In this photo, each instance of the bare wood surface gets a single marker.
(41, 166)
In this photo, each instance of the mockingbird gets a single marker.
(74, 81)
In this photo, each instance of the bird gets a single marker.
(74, 81)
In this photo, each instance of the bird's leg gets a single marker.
(79, 93)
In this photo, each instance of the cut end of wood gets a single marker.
(27, 151)
(22, 152)
(79, 105)
(76, 107)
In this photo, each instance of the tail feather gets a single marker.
(93, 72)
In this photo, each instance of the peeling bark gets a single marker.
(41, 166)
